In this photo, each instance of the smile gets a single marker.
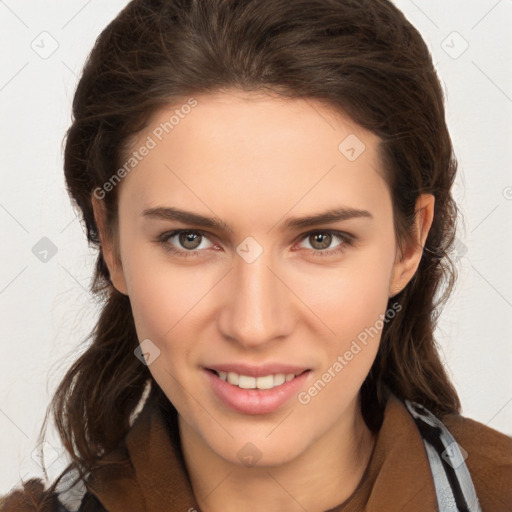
(248, 394)
(248, 382)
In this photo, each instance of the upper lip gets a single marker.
(258, 371)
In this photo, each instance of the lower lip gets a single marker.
(255, 401)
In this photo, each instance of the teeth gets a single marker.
(233, 378)
(266, 382)
(280, 378)
(247, 382)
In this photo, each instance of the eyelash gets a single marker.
(346, 241)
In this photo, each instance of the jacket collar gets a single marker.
(149, 473)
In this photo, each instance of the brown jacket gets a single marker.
(398, 477)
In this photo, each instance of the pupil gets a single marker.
(189, 238)
(326, 240)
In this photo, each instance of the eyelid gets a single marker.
(164, 237)
(347, 239)
(341, 234)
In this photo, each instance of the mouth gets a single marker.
(270, 381)
(256, 394)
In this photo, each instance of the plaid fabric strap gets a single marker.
(454, 488)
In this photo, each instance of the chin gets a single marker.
(259, 451)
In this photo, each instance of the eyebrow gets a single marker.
(186, 217)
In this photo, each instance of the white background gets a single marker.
(46, 308)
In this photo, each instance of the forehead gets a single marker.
(254, 150)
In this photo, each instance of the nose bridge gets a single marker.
(256, 309)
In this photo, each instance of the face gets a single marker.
(263, 291)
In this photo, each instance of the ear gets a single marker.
(408, 260)
(109, 247)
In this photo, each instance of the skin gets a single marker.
(253, 161)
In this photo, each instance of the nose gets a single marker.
(258, 309)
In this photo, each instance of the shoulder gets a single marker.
(28, 498)
(488, 456)
(32, 497)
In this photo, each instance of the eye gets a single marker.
(186, 243)
(190, 243)
(320, 242)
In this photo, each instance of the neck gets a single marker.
(320, 478)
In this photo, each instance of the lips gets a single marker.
(236, 385)
(258, 371)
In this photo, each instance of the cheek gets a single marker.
(163, 303)
(347, 300)
(161, 294)
(153, 303)
(354, 309)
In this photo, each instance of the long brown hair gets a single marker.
(360, 57)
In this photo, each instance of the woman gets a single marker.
(268, 184)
